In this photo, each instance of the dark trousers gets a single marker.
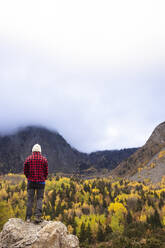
(31, 191)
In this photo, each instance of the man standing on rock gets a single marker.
(36, 172)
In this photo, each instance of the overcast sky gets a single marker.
(92, 70)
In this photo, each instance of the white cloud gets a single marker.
(93, 70)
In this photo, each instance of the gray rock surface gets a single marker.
(52, 234)
(155, 174)
(158, 135)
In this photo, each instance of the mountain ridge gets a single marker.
(14, 148)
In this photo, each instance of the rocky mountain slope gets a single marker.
(61, 156)
(52, 234)
(153, 171)
(144, 156)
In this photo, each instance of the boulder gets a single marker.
(17, 233)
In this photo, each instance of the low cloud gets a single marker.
(97, 81)
(92, 110)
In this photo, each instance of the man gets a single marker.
(36, 172)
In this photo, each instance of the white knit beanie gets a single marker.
(36, 148)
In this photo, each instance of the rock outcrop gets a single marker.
(52, 234)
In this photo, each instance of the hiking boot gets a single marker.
(37, 219)
(28, 219)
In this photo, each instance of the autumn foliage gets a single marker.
(99, 211)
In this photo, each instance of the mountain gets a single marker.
(109, 159)
(15, 148)
(61, 156)
(149, 157)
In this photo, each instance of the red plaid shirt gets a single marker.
(36, 167)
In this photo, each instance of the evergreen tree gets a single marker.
(129, 218)
(154, 220)
(161, 203)
(82, 235)
(100, 234)
(52, 201)
(89, 234)
(104, 203)
(108, 229)
(157, 219)
(73, 223)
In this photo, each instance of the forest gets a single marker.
(102, 212)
